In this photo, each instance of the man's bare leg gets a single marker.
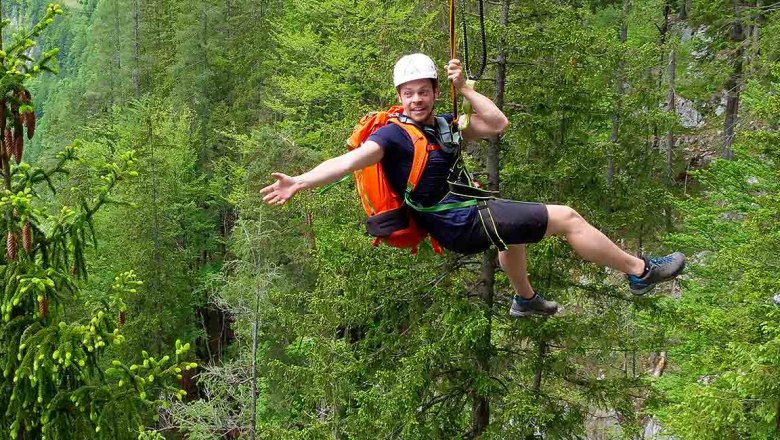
(513, 262)
(589, 242)
(526, 302)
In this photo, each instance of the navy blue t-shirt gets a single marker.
(432, 188)
(397, 163)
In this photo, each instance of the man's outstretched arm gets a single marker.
(327, 172)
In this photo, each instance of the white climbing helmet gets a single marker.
(412, 67)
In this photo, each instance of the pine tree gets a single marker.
(56, 385)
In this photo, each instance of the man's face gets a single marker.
(417, 98)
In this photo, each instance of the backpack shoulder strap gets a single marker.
(370, 123)
(420, 143)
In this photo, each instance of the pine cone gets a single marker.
(122, 318)
(43, 307)
(27, 237)
(30, 122)
(8, 142)
(10, 246)
(19, 148)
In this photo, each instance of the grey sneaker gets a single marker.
(537, 305)
(661, 269)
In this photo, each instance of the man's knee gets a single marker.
(562, 219)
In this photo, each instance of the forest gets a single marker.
(149, 293)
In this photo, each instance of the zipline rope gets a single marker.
(453, 55)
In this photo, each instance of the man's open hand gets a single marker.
(280, 191)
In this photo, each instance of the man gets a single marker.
(465, 230)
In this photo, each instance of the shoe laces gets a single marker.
(662, 260)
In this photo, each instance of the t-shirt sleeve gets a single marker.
(388, 137)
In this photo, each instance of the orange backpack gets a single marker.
(389, 220)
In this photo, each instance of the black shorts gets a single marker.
(513, 223)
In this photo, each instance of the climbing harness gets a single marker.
(459, 180)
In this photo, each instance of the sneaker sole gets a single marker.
(514, 314)
(640, 292)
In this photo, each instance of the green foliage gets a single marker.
(52, 366)
(726, 323)
(355, 341)
(165, 230)
(55, 384)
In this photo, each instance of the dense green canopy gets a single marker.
(657, 120)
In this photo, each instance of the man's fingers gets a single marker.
(271, 200)
(270, 197)
(273, 192)
(278, 200)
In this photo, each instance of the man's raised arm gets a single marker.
(486, 119)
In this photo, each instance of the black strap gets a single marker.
(483, 60)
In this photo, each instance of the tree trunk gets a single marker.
(253, 421)
(537, 385)
(136, 51)
(541, 351)
(116, 69)
(663, 32)
(155, 284)
(672, 109)
(4, 163)
(481, 403)
(777, 417)
(671, 98)
(620, 90)
(737, 36)
(685, 5)
(205, 116)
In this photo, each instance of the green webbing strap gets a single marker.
(329, 186)
(436, 208)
